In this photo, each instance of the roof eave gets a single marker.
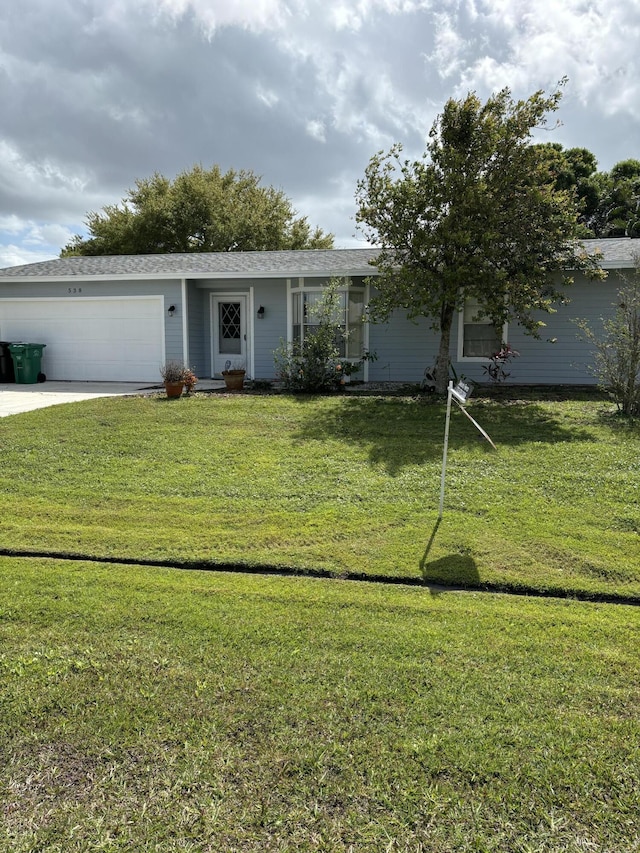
(201, 276)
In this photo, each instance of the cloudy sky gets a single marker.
(97, 93)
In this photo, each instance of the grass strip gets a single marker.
(347, 485)
(153, 709)
(606, 598)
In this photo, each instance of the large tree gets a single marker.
(575, 171)
(608, 202)
(202, 210)
(479, 215)
(619, 203)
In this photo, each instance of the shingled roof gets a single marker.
(617, 253)
(310, 262)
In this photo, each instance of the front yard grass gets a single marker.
(144, 708)
(154, 709)
(342, 484)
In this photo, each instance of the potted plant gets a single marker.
(173, 376)
(190, 380)
(234, 376)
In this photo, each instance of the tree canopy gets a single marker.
(608, 202)
(202, 210)
(619, 202)
(479, 215)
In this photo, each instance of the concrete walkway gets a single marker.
(16, 398)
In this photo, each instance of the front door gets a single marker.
(229, 324)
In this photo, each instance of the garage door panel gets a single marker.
(91, 339)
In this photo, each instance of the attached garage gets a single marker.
(91, 338)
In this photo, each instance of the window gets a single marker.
(349, 317)
(229, 328)
(478, 338)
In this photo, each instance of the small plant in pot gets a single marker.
(233, 376)
(174, 375)
(190, 380)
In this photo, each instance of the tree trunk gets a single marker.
(442, 361)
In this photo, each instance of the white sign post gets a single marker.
(444, 452)
(459, 394)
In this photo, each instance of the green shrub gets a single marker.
(314, 364)
(617, 348)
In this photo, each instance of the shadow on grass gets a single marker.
(614, 420)
(409, 431)
(457, 571)
(454, 570)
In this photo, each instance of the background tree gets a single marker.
(574, 170)
(202, 210)
(478, 216)
(608, 202)
(619, 203)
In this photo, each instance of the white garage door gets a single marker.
(90, 339)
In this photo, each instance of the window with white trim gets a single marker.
(478, 337)
(349, 316)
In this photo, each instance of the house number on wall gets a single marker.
(74, 290)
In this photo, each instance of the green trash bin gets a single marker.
(26, 362)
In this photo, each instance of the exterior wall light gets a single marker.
(172, 310)
(261, 312)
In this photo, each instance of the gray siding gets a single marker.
(268, 333)
(566, 361)
(198, 358)
(173, 326)
(18, 288)
(404, 349)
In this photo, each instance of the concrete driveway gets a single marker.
(16, 398)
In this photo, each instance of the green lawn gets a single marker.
(154, 709)
(344, 485)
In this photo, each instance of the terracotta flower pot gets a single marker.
(173, 389)
(234, 379)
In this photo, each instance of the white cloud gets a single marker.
(44, 186)
(31, 241)
(263, 15)
(11, 224)
(355, 80)
(593, 43)
(14, 255)
(97, 94)
(449, 46)
(212, 14)
(267, 96)
(20, 173)
(47, 235)
(345, 14)
(127, 115)
(316, 129)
